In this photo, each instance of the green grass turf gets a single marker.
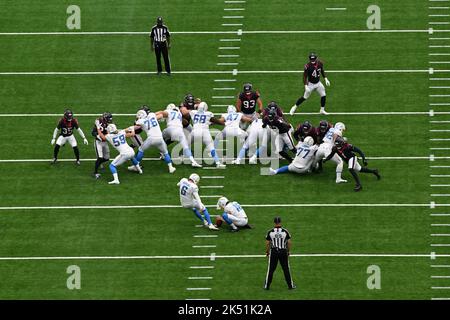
(169, 231)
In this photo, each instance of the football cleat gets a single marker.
(292, 111)
(237, 161)
(253, 159)
(172, 169)
(358, 187)
(77, 162)
(341, 181)
(114, 182)
(195, 164)
(322, 111)
(234, 230)
(54, 161)
(205, 223)
(139, 169)
(293, 287)
(220, 165)
(133, 168)
(375, 172)
(272, 172)
(247, 226)
(212, 227)
(97, 176)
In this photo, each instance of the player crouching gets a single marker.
(118, 139)
(346, 152)
(190, 199)
(304, 159)
(233, 214)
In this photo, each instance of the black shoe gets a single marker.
(54, 161)
(234, 230)
(377, 174)
(77, 162)
(358, 187)
(266, 288)
(169, 74)
(247, 226)
(96, 176)
(293, 287)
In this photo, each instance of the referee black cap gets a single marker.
(277, 220)
(159, 21)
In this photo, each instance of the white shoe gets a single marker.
(237, 161)
(253, 160)
(114, 182)
(205, 223)
(138, 169)
(212, 227)
(195, 164)
(323, 112)
(172, 169)
(133, 168)
(220, 165)
(292, 111)
(272, 172)
(341, 181)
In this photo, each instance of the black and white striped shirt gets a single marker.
(278, 238)
(160, 33)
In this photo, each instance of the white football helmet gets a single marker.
(221, 203)
(111, 128)
(231, 109)
(141, 114)
(195, 178)
(171, 107)
(340, 126)
(202, 107)
(309, 141)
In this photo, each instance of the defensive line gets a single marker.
(247, 256)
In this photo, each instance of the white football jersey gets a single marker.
(201, 120)
(150, 125)
(232, 119)
(187, 190)
(174, 119)
(328, 138)
(305, 156)
(119, 141)
(235, 209)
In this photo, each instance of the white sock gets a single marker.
(233, 226)
(338, 175)
(116, 176)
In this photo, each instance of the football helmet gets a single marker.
(339, 142)
(340, 126)
(248, 87)
(323, 126)
(202, 107)
(141, 114)
(108, 117)
(195, 178)
(145, 108)
(272, 114)
(312, 57)
(68, 115)
(309, 141)
(189, 100)
(111, 128)
(306, 126)
(222, 203)
(231, 109)
(171, 106)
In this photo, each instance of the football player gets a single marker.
(303, 161)
(201, 119)
(186, 106)
(311, 80)
(283, 130)
(190, 199)
(347, 152)
(256, 133)
(273, 106)
(67, 124)
(326, 147)
(101, 147)
(304, 130)
(118, 139)
(322, 130)
(136, 140)
(149, 123)
(249, 103)
(174, 130)
(233, 214)
(232, 120)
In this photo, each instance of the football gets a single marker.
(218, 222)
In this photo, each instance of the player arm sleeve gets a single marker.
(305, 77)
(323, 72)
(297, 134)
(81, 133)
(358, 150)
(55, 133)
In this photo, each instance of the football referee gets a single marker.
(160, 43)
(278, 246)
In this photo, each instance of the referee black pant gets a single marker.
(275, 256)
(161, 48)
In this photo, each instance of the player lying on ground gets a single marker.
(118, 139)
(66, 124)
(190, 199)
(346, 152)
(233, 214)
(304, 161)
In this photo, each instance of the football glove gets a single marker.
(327, 82)
(53, 141)
(85, 141)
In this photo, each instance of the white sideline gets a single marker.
(305, 255)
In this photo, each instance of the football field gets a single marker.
(390, 85)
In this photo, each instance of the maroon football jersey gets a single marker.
(248, 102)
(67, 127)
(313, 71)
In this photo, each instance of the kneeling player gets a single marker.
(346, 152)
(303, 161)
(233, 214)
(190, 199)
(118, 139)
